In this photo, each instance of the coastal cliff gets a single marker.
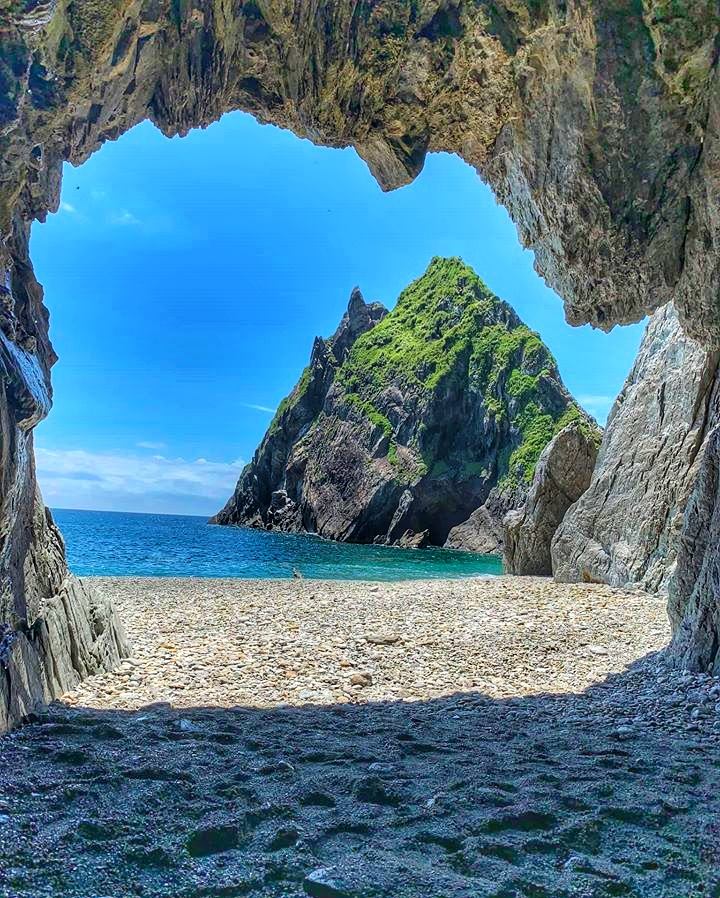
(406, 424)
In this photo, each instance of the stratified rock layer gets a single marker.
(561, 477)
(405, 423)
(53, 630)
(625, 528)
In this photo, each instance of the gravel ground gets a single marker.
(502, 737)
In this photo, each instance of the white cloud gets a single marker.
(67, 207)
(149, 444)
(258, 408)
(124, 218)
(110, 481)
(597, 405)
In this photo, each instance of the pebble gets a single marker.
(320, 884)
(486, 751)
(264, 643)
(361, 679)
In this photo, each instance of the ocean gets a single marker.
(113, 544)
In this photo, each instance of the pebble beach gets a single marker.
(490, 737)
(261, 643)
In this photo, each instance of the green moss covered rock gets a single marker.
(410, 421)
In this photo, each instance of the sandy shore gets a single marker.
(263, 642)
(500, 738)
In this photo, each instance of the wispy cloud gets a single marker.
(148, 444)
(77, 478)
(67, 207)
(124, 218)
(258, 408)
(597, 405)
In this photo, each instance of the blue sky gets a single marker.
(186, 279)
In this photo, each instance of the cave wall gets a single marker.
(625, 529)
(596, 122)
(54, 631)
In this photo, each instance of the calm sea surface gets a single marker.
(152, 545)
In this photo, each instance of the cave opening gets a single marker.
(219, 258)
(597, 125)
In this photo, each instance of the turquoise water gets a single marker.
(106, 543)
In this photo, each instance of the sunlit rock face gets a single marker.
(625, 528)
(562, 476)
(596, 123)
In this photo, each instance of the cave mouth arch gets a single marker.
(160, 260)
(581, 117)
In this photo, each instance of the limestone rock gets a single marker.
(68, 630)
(405, 423)
(483, 531)
(561, 477)
(625, 527)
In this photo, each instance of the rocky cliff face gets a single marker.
(53, 630)
(597, 123)
(405, 423)
(562, 476)
(695, 587)
(625, 528)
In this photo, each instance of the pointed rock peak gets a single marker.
(356, 305)
(360, 317)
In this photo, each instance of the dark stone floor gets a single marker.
(613, 792)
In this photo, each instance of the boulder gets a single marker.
(561, 477)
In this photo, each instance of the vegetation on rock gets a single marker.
(412, 424)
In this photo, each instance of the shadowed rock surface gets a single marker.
(613, 792)
(625, 528)
(405, 423)
(695, 588)
(483, 530)
(596, 123)
(561, 477)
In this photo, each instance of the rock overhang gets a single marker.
(595, 124)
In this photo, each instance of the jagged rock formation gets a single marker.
(483, 530)
(53, 630)
(561, 477)
(405, 423)
(625, 528)
(596, 123)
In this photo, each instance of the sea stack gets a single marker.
(420, 426)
